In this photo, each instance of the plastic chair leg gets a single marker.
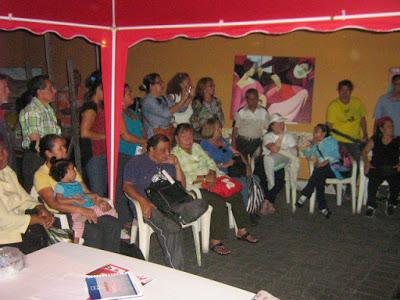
(205, 221)
(144, 243)
(312, 203)
(339, 194)
(353, 198)
(196, 238)
(134, 231)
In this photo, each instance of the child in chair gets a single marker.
(70, 191)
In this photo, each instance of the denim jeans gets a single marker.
(96, 170)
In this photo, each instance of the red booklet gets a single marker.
(108, 270)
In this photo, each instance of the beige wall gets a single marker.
(362, 57)
(19, 46)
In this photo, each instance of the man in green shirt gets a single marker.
(37, 119)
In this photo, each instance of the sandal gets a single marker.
(245, 237)
(220, 249)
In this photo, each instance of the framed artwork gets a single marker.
(284, 84)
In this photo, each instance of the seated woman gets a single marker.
(17, 228)
(70, 191)
(179, 89)
(103, 232)
(280, 153)
(199, 168)
(205, 106)
(132, 142)
(384, 165)
(224, 156)
(326, 149)
(158, 110)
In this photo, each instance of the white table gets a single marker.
(57, 272)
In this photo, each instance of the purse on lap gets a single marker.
(224, 186)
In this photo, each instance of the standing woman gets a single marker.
(179, 89)
(132, 142)
(205, 105)
(158, 110)
(93, 130)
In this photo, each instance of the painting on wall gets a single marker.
(285, 84)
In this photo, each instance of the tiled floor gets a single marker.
(303, 256)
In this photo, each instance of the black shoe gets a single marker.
(326, 213)
(370, 211)
(389, 209)
(253, 220)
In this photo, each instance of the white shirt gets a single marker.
(252, 125)
(183, 115)
(288, 141)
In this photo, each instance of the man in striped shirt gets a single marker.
(37, 119)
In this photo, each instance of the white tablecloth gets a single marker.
(58, 271)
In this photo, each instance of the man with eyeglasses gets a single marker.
(37, 119)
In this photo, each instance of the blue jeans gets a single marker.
(96, 170)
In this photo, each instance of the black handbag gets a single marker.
(239, 168)
(175, 202)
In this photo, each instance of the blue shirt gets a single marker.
(219, 155)
(391, 108)
(140, 171)
(73, 190)
(135, 128)
(329, 148)
(156, 113)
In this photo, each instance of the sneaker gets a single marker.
(300, 202)
(326, 213)
(389, 209)
(370, 211)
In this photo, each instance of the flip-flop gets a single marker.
(244, 238)
(220, 249)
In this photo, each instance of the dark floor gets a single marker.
(303, 256)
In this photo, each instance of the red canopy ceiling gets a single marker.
(172, 12)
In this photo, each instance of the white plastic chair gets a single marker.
(145, 231)
(62, 217)
(352, 180)
(290, 186)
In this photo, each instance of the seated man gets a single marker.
(198, 167)
(18, 229)
(139, 173)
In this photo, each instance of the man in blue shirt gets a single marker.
(389, 105)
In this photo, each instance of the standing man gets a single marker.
(37, 119)
(346, 115)
(389, 105)
(251, 122)
(5, 131)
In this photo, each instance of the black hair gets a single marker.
(324, 128)
(173, 86)
(395, 78)
(346, 83)
(377, 137)
(201, 85)
(23, 101)
(59, 168)
(148, 80)
(183, 127)
(4, 77)
(47, 143)
(155, 140)
(251, 91)
(91, 83)
(37, 83)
